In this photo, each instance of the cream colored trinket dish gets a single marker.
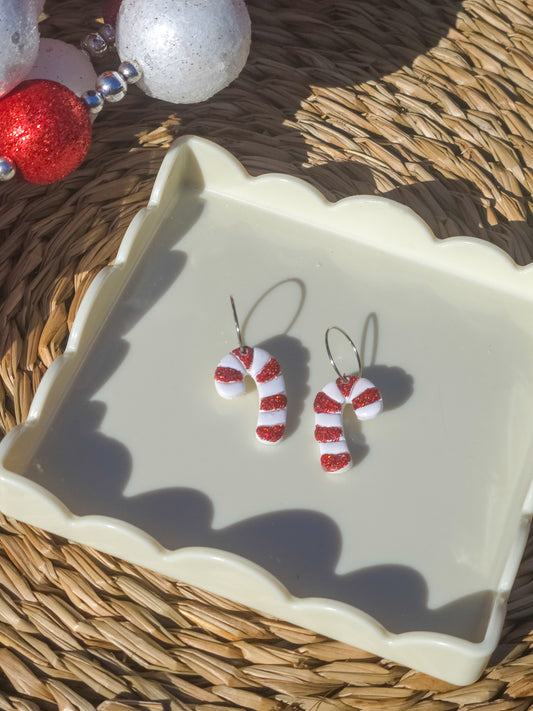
(128, 448)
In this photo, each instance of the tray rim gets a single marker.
(30, 502)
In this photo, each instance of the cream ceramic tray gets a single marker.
(128, 448)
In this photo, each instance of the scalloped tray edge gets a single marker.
(202, 164)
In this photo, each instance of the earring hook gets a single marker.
(342, 376)
(242, 347)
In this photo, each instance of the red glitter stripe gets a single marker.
(246, 356)
(325, 404)
(269, 372)
(328, 434)
(228, 375)
(334, 462)
(270, 434)
(273, 402)
(366, 398)
(345, 386)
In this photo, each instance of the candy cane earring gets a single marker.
(266, 373)
(365, 399)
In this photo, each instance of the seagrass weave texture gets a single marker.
(426, 102)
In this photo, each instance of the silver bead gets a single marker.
(7, 169)
(112, 86)
(94, 44)
(107, 31)
(130, 71)
(94, 101)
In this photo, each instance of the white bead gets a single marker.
(19, 40)
(187, 49)
(64, 63)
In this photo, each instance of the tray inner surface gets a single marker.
(417, 533)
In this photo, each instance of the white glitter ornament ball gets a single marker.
(64, 63)
(187, 49)
(19, 40)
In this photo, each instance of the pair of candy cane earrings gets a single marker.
(265, 370)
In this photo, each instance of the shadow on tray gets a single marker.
(89, 472)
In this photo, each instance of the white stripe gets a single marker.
(333, 447)
(332, 391)
(324, 419)
(272, 417)
(271, 387)
(367, 412)
(259, 361)
(230, 390)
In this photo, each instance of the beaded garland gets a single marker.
(45, 126)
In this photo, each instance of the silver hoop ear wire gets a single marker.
(343, 376)
(242, 347)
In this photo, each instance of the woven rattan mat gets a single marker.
(429, 102)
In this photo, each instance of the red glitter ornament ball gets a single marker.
(45, 130)
(110, 10)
